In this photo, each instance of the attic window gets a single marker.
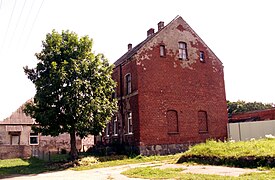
(162, 51)
(182, 51)
(202, 57)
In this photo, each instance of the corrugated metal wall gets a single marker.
(247, 130)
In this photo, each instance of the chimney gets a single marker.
(160, 25)
(129, 47)
(150, 32)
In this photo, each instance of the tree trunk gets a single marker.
(74, 153)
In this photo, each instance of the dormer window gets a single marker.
(162, 51)
(182, 51)
(202, 58)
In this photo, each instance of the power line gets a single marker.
(18, 21)
(28, 37)
(24, 27)
(9, 24)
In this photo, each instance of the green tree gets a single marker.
(242, 106)
(73, 88)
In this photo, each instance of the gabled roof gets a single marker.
(134, 50)
(18, 117)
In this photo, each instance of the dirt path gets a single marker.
(113, 173)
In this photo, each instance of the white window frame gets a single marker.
(34, 135)
(182, 51)
(129, 123)
(128, 83)
(115, 127)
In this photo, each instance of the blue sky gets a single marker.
(241, 34)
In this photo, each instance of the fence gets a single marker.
(247, 130)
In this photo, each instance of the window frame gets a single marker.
(162, 52)
(202, 56)
(183, 50)
(33, 135)
(129, 122)
(115, 129)
(206, 122)
(169, 121)
(128, 83)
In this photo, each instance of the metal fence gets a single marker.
(247, 130)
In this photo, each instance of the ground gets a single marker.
(114, 172)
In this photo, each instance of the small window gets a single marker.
(172, 121)
(128, 83)
(115, 126)
(107, 130)
(162, 50)
(14, 138)
(33, 138)
(202, 58)
(203, 124)
(129, 123)
(182, 51)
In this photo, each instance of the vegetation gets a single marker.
(73, 88)
(86, 163)
(20, 166)
(242, 106)
(177, 173)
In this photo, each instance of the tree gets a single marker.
(242, 106)
(73, 88)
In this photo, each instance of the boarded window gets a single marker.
(15, 138)
(203, 124)
(172, 121)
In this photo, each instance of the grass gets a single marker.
(171, 173)
(20, 166)
(256, 148)
(108, 161)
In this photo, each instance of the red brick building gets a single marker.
(170, 91)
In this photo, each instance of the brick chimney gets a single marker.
(150, 32)
(129, 47)
(160, 25)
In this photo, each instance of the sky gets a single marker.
(240, 33)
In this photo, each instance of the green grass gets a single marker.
(257, 148)
(109, 161)
(168, 173)
(20, 166)
(176, 173)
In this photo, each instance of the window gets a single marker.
(129, 123)
(203, 124)
(115, 126)
(107, 130)
(33, 138)
(182, 50)
(162, 51)
(202, 59)
(172, 121)
(128, 83)
(15, 138)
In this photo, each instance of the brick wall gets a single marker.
(9, 151)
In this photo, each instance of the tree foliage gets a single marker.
(73, 87)
(242, 106)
